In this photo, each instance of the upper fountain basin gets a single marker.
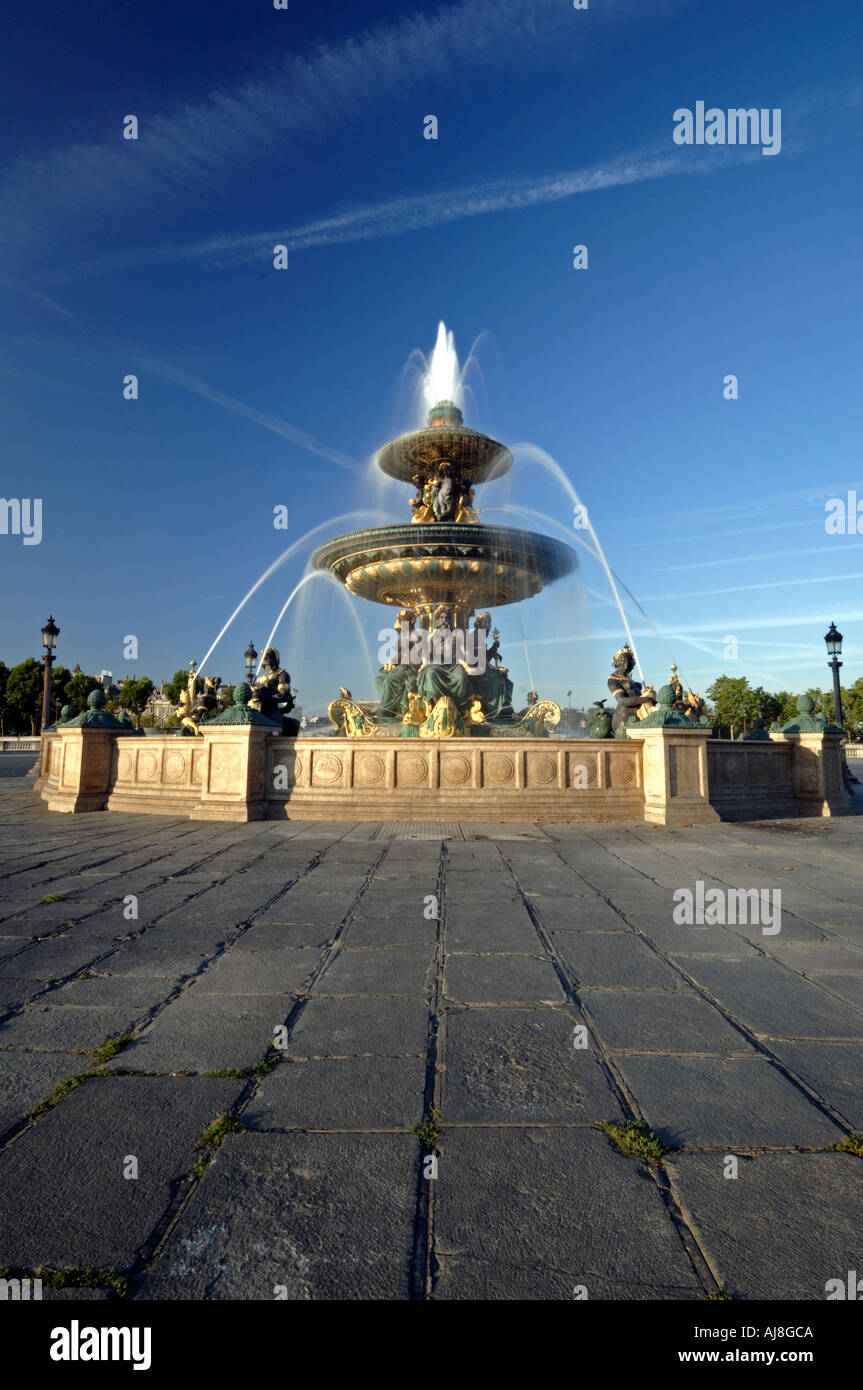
(474, 457)
(445, 562)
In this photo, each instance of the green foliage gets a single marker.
(212, 1137)
(134, 695)
(735, 702)
(24, 696)
(851, 1144)
(179, 682)
(635, 1140)
(429, 1130)
(78, 688)
(84, 1279)
(109, 1049)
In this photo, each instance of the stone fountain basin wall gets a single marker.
(750, 780)
(664, 776)
(461, 778)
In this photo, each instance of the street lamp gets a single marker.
(569, 709)
(834, 650)
(50, 633)
(250, 656)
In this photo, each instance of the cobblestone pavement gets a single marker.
(293, 978)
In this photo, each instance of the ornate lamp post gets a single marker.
(834, 649)
(50, 633)
(250, 656)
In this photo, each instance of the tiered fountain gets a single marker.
(441, 683)
(440, 570)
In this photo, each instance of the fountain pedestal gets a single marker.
(676, 790)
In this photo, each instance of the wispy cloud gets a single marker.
(197, 153)
(258, 417)
(398, 216)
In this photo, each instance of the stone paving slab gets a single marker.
(502, 979)
(359, 1026)
(282, 971)
(26, 1078)
(656, 1021)
(166, 952)
(81, 1211)
(615, 962)
(576, 914)
(47, 1027)
(269, 937)
(758, 1256)
(563, 1199)
(720, 1101)
(503, 926)
(775, 1003)
(358, 1093)
(514, 1066)
(379, 970)
(833, 1070)
(313, 1214)
(207, 1032)
(52, 959)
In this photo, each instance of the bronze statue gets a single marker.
(631, 697)
(271, 692)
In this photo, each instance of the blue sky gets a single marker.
(261, 387)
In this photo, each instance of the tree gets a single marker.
(60, 678)
(134, 695)
(24, 695)
(78, 687)
(736, 704)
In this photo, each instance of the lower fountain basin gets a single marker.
(445, 562)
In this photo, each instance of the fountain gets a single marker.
(442, 743)
(440, 570)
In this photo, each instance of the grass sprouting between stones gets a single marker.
(428, 1130)
(102, 1054)
(212, 1137)
(635, 1140)
(851, 1144)
(84, 1279)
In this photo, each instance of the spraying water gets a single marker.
(443, 380)
(327, 579)
(532, 454)
(271, 569)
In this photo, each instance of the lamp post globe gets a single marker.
(833, 639)
(250, 656)
(50, 633)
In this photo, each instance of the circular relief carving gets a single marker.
(369, 769)
(498, 769)
(454, 770)
(622, 772)
(175, 767)
(733, 767)
(576, 763)
(146, 767)
(412, 770)
(328, 768)
(124, 766)
(759, 768)
(542, 769)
